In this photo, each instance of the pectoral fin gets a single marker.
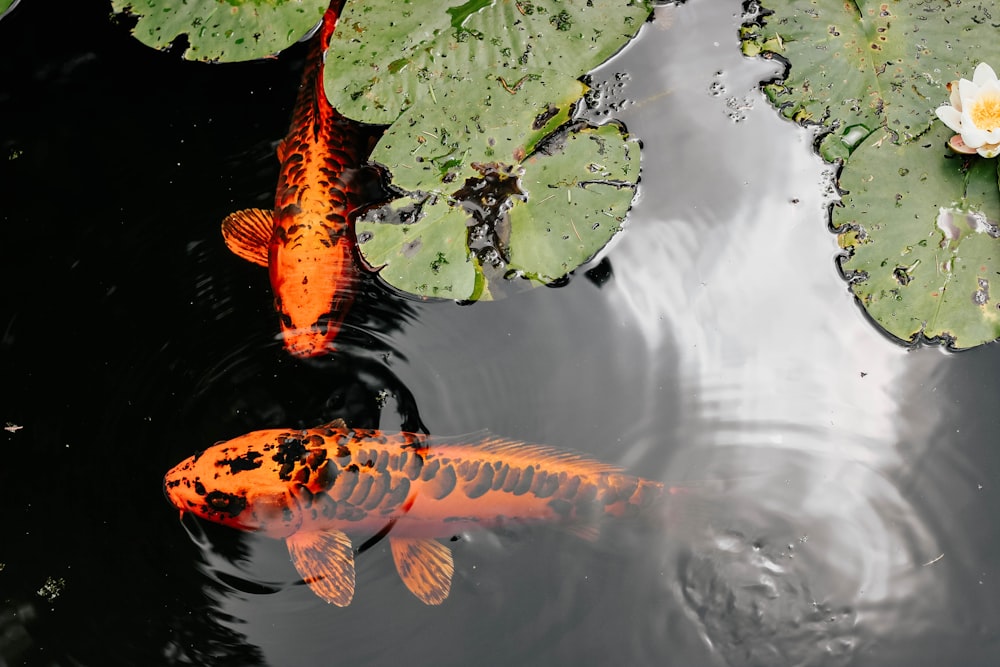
(326, 562)
(248, 233)
(425, 565)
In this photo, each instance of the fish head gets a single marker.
(313, 293)
(313, 339)
(251, 483)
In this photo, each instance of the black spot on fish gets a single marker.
(350, 513)
(301, 476)
(325, 476)
(199, 488)
(290, 451)
(226, 503)
(344, 484)
(471, 471)
(430, 469)
(380, 486)
(327, 505)
(561, 507)
(361, 490)
(546, 487)
(413, 466)
(481, 484)
(500, 476)
(302, 494)
(343, 452)
(524, 484)
(316, 457)
(443, 482)
(398, 493)
(513, 477)
(570, 487)
(248, 461)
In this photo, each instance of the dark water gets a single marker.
(840, 492)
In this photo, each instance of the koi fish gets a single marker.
(311, 487)
(306, 242)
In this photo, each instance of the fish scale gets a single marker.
(307, 242)
(311, 487)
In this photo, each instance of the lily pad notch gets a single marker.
(501, 187)
(920, 205)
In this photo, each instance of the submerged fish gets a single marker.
(306, 242)
(311, 487)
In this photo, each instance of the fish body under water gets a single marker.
(307, 242)
(311, 487)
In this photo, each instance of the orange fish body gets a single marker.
(306, 241)
(312, 487)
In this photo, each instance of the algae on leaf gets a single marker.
(388, 55)
(577, 196)
(859, 65)
(921, 231)
(510, 227)
(479, 120)
(223, 30)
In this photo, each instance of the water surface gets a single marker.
(838, 489)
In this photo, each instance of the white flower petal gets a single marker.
(954, 98)
(950, 116)
(989, 150)
(983, 74)
(973, 136)
(967, 92)
(991, 136)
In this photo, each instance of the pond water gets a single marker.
(836, 491)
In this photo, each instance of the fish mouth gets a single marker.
(313, 341)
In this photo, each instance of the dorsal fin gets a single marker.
(325, 560)
(248, 233)
(516, 452)
(425, 566)
(337, 423)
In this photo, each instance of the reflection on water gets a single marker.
(836, 493)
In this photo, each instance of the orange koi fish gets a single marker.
(311, 487)
(306, 242)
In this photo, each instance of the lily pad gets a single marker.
(6, 6)
(223, 30)
(577, 196)
(858, 66)
(419, 244)
(388, 55)
(512, 227)
(921, 230)
(482, 119)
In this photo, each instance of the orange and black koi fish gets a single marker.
(306, 243)
(311, 487)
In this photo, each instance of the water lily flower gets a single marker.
(974, 113)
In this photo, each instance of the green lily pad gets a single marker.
(921, 230)
(419, 244)
(576, 200)
(223, 30)
(388, 55)
(481, 119)
(861, 65)
(6, 6)
(512, 227)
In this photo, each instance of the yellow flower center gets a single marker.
(985, 111)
